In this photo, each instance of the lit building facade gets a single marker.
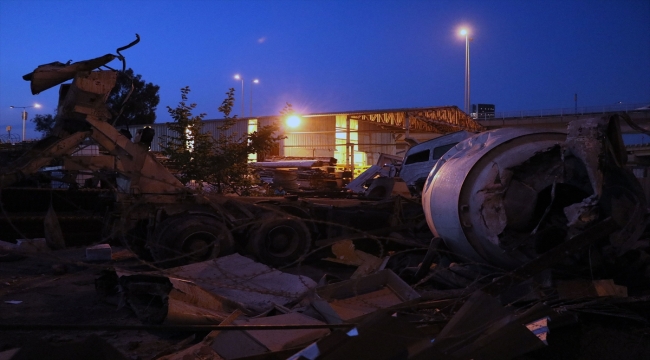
(355, 138)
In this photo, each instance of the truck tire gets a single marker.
(135, 240)
(280, 241)
(188, 239)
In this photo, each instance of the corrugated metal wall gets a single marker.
(374, 141)
(313, 137)
(240, 127)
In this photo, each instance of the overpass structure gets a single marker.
(559, 118)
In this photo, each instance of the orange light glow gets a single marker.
(293, 121)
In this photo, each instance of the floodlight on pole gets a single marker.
(256, 81)
(24, 114)
(237, 77)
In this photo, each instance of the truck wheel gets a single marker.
(184, 240)
(280, 241)
(136, 240)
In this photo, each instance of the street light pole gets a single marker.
(467, 101)
(242, 93)
(256, 81)
(24, 114)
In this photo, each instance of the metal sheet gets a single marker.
(238, 278)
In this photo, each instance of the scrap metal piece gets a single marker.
(540, 328)
(380, 336)
(425, 265)
(49, 75)
(156, 299)
(485, 329)
(129, 45)
(357, 184)
(576, 289)
(206, 292)
(551, 257)
(255, 286)
(203, 348)
(147, 296)
(100, 252)
(353, 299)
(191, 304)
(251, 343)
(346, 254)
(598, 143)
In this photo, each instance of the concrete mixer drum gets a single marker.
(505, 196)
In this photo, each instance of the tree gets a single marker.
(140, 107)
(189, 149)
(227, 104)
(220, 160)
(230, 162)
(44, 124)
(287, 110)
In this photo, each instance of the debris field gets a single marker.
(520, 243)
(570, 282)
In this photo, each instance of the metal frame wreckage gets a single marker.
(517, 240)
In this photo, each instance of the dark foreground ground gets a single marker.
(59, 288)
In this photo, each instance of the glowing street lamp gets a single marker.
(293, 121)
(465, 33)
(24, 114)
(256, 81)
(237, 77)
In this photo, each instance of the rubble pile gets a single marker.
(239, 309)
(541, 255)
(505, 244)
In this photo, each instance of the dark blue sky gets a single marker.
(325, 56)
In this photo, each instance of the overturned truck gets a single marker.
(501, 197)
(150, 210)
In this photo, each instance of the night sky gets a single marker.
(327, 56)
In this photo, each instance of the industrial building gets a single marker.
(355, 138)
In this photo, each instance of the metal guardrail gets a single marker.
(569, 111)
(9, 139)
